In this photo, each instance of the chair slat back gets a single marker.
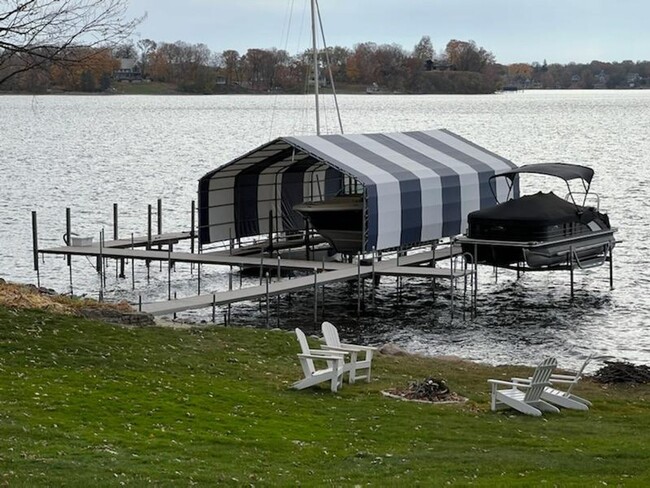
(304, 347)
(540, 380)
(331, 335)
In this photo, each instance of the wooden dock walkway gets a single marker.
(324, 272)
(293, 285)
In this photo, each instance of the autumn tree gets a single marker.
(467, 56)
(231, 65)
(423, 50)
(87, 73)
(37, 33)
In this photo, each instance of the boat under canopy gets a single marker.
(412, 187)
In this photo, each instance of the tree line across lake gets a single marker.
(461, 67)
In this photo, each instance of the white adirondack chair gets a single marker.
(333, 372)
(564, 398)
(355, 364)
(526, 396)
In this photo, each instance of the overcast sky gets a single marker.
(559, 31)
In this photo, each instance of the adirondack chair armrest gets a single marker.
(328, 352)
(358, 348)
(563, 381)
(522, 381)
(320, 356)
(339, 350)
(508, 383)
(567, 377)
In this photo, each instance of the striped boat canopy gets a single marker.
(417, 186)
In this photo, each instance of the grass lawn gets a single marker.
(84, 403)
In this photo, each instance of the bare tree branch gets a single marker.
(34, 33)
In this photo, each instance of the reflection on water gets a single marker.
(90, 152)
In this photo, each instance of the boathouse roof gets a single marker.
(417, 186)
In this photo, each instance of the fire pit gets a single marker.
(430, 390)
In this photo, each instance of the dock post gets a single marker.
(214, 307)
(192, 225)
(35, 247)
(159, 221)
(433, 265)
(169, 272)
(149, 229)
(70, 273)
(358, 283)
(159, 215)
(132, 263)
(322, 289)
(571, 268)
(374, 283)
(315, 295)
(451, 276)
(115, 237)
(306, 239)
(611, 268)
(271, 233)
(139, 303)
(149, 232)
(268, 299)
(100, 268)
(229, 289)
(198, 275)
(68, 231)
(174, 316)
(475, 279)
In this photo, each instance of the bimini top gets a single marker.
(561, 170)
(416, 186)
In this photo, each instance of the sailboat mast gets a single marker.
(315, 56)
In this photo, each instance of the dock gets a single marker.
(324, 272)
(271, 256)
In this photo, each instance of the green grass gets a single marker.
(84, 403)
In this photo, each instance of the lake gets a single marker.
(88, 152)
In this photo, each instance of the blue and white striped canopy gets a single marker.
(416, 186)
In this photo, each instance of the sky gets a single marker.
(558, 31)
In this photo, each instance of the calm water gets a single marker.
(88, 152)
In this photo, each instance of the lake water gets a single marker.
(88, 152)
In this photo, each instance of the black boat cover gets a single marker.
(537, 209)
